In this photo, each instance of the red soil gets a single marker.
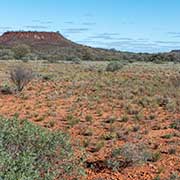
(44, 101)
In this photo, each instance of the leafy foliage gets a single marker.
(6, 54)
(114, 66)
(21, 51)
(5, 89)
(30, 152)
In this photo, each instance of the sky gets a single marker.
(126, 25)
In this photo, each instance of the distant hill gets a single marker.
(35, 39)
(54, 46)
(175, 51)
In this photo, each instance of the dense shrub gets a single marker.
(52, 60)
(130, 154)
(87, 55)
(30, 56)
(76, 60)
(114, 66)
(175, 81)
(21, 51)
(5, 89)
(29, 152)
(21, 76)
(174, 176)
(6, 54)
(135, 154)
(175, 124)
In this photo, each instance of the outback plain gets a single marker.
(93, 120)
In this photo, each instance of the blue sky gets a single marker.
(127, 25)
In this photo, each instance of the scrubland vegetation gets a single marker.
(89, 120)
(81, 53)
(31, 152)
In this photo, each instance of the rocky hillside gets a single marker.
(34, 38)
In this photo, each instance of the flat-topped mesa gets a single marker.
(33, 38)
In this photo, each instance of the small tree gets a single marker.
(21, 76)
(21, 51)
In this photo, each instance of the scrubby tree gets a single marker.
(114, 66)
(21, 51)
(21, 76)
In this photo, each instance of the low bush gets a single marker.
(46, 77)
(74, 60)
(129, 155)
(5, 89)
(135, 153)
(30, 152)
(114, 66)
(30, 56)
(6, 54)
(174, 176)
(21, 76)
(175, 124)
(21, 51)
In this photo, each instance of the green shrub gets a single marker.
(6, 54)
(114, 66)
(21, 51)
(135, 153)
(29, 152)
(98, 146)
(175, 124)
(30, 56)
(72, 121)
(129, 155)
(109, 136)
(52, 60)
(89, 118)
(76, 60)
(5, 89)
(174, 176)
(47, 77)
